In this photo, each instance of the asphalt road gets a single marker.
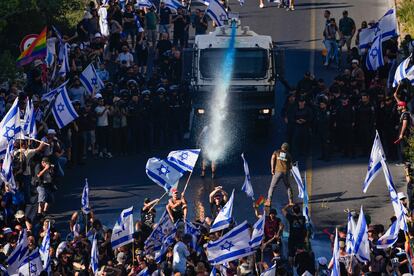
(121, 182)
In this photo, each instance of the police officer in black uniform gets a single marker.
(322, 124)
(365, 123)
(386, 124)
(344, 125)
(302, 133)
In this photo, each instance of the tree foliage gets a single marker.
(21, 17)
(405, 12)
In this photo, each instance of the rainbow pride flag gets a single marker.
(260, 204)
(36, 50)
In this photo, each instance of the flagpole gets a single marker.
(36, 140)
(188, 181)
(86, 225)
(158, 201)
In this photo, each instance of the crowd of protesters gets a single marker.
(144, 105)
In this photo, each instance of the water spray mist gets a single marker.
(217, 139)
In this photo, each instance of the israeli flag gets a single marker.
(29, 126)
(296, 175)
(258, 232)
(271, 271)
(350, 229)
(167, 241)
(10, 127)
(19, 254)
(63, 110)
(391, 236)
(375, 59)
(123, 229)
(399, 209)
(185, 159)
(91, 80)
(217, 12)
(232, 246)
(366, 36)
(85, 198)
(6, 173)
(387, 26)
(44, 250)
(195, 232)
(64, 67)
(224, 217)
(336, 269)
(32, 265)
(404, 71)
(144, 4)
(94, 255)
(163, 172)
(58, 35)
(50, 58)
(49, 96)
(173, 4)
(305, 209)
(361, 247)
(213, 271)
(247, 185)
(375, 164)
(163, 228)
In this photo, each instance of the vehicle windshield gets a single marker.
(248, 64)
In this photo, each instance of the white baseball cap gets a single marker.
(401, 195)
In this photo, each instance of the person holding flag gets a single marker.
(177, 206)
(217, 198)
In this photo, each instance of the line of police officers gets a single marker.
(344, 120)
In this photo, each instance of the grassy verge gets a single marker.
(405, 12)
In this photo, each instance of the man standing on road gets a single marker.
(404, 129)
(347, 30)
(280, 163)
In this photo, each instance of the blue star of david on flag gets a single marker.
(185, 159)
(374, 52)
(10, 133)
(184, 156)
(33, 268)
(60, 107)
(227, 245)
(94, 81)
(163, 170)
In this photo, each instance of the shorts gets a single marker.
(164, 28)
(130, 32)
(43, 194)
(151, 36)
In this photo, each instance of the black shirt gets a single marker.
(165, 15)
(129, 25)
(297, 226)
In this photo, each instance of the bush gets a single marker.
(8, 68)
(405, 14)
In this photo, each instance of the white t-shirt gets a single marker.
(128, 57)
(102, 120)
(180, 254)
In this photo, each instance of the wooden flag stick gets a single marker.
(188, 181)
(158, 201)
